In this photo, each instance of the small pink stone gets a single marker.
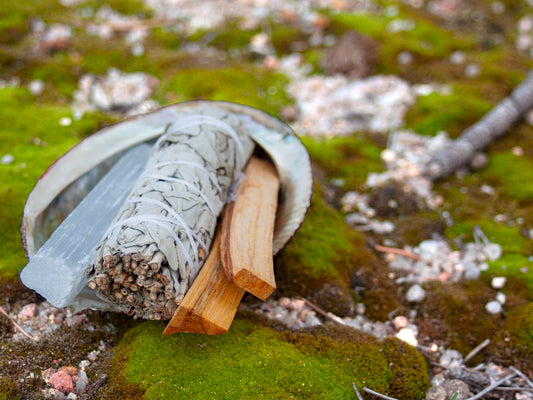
(444, 276)
(284, 302)
(297, 305)
(62, 381)
(28, 311)
(400, 322)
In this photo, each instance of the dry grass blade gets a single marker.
(393, 250)
(357, 393)
(493, 386)
(17, 325)
(381, 396)
(476, 350)
(329, 315)
(522, 375)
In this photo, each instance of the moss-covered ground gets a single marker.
(327, 261)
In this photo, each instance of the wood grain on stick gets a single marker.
(211, 302)
(246, 246)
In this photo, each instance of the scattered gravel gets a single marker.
(117, 91)
(439, 262)
(340, 106)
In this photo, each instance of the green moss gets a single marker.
(252, 361)
(320, 244)
(350, 158)
(230, 37)
(513, 342)
(244, 84)
(22, 123)
(510, 238)
(513, 174)
(284, 36)
(425, 39)
(410, 379)
(448, 311)
(8, 389)
(452, 113)
(128, 7)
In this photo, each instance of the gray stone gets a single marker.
(436, 393)
(454, 386)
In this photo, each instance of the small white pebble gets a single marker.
(518, 151)
(487, 189)
(65, 121)
(457, 57)
(501, 298)
(7, 159)
(523, 42)
(36, 87)
(408, 336)
(415, 294)
(525, 24)
(498, 7)
(389, 156)
(405, 58)
(400, 322)
(472, 70)
(494, 307)
(498, 282)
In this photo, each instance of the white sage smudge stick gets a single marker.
(156, 245)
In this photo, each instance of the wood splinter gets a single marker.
(245, 237)
(211, 302)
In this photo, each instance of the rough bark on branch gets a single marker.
(478, 136)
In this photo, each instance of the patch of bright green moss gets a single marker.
(22, 123)
(230, 37)
(425, 39)
(513, 173)
(350, 158)
(256, 362)
(320, 246)
(244, 84)
(452, 113)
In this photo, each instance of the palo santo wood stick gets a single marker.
(247, 237)
(211, 302)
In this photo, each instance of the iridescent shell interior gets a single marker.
(71, 177)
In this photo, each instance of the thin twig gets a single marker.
(393, 250)
(515, 388)
(476, 350)
(522, 375)
(357, 393)
(329, 315)
(17, 325)
(491, 387)
(382, 396)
